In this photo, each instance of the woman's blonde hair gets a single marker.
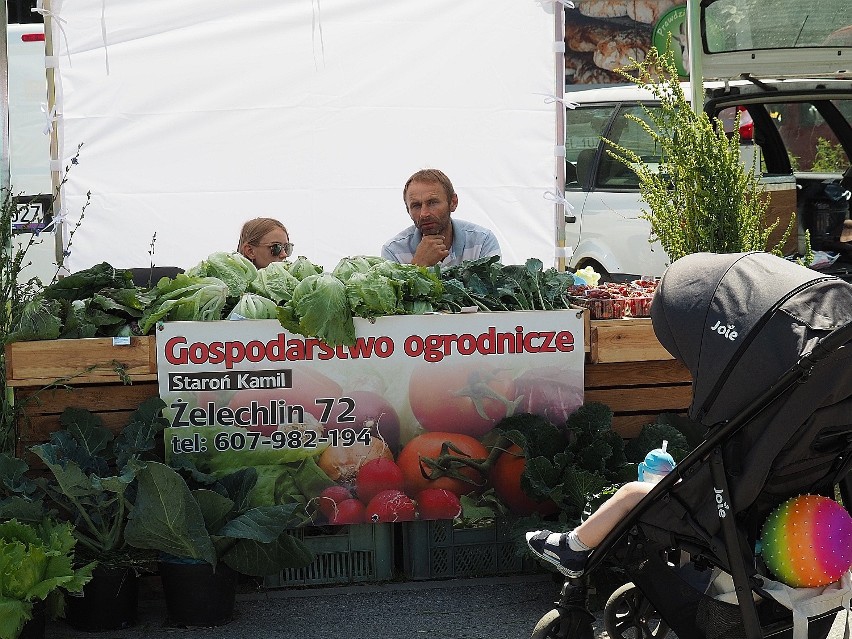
(255, 229)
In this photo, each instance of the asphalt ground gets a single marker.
(486, 608)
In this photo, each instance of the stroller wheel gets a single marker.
(564, 624)
(629, 615)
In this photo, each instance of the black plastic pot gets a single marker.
(109, 601)
(34, 628)
(196, 595)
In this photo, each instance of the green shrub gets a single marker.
(701, 198)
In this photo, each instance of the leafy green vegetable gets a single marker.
(20, 497)
(535, 434)
(213, 523)
(373, 295)
(253, 306)
(348, 266)
(320, 308)
(106, 314)
(186, 298)
(275, 282)
(35, 561)
(38, 320)
(417, 284)
(232, 268)
(75, 321)
(92, 473)
(491, 286)
(573, 465)
(103, 312)
(651, 436)
(87, 282)
(302, 267)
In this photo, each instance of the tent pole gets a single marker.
(696, 51)
(559, 93)
(5, 169)
(55, 159)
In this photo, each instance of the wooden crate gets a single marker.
(629, 370)
(624, 340)
(782, 196)
(114, 403)
(96, 360)
(97, 374)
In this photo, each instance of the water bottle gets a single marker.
(658, 463)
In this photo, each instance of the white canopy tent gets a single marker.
(196, 115)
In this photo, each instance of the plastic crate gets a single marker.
(437, 550)
(344, 554)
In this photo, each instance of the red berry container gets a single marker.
(639, 306)
(606, 308)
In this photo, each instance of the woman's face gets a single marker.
(262, 253)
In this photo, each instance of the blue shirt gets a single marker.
(470, 242)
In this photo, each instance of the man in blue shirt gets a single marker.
(434, 238)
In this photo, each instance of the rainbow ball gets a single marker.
(807, 541)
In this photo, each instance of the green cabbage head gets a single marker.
(186, 298)
(253, 306)
(232, 268)
(275, 281)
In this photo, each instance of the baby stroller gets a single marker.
(769, 346)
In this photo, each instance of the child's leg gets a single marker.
(569, 551)
(592, 531)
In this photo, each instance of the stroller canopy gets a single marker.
(739, 321)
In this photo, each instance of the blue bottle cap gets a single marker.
(657, 464)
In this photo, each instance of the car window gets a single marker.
(742, 25)
(584, 127)
(810, 142)
(626, 132)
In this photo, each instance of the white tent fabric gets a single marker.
(197, 115)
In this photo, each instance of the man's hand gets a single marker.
(430, 251)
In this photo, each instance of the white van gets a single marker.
(800, 130)
(29, 146)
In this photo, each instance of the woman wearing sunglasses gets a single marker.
(264, 240)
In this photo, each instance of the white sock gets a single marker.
(575, 544)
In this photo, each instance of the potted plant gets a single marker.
(207, 532)
(91, 483)
(36, 561)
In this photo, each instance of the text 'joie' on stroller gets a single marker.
(769, 346)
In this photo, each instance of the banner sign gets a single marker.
(601, 37)
(323, 425)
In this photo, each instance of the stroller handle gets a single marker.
(830, 343)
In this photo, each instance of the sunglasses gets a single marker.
(277, 247)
